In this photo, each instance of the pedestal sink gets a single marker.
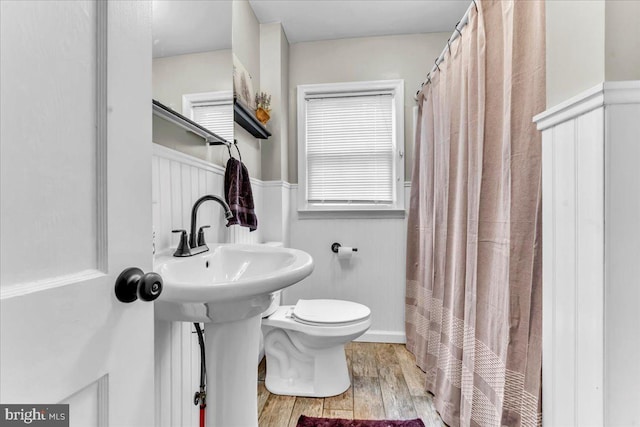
(228, 288)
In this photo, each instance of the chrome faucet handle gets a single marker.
(201, 241)
(183, 247)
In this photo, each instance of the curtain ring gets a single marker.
(456, 28)
(449, 45)
(436, 63)
(475, 5)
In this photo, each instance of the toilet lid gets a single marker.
(329, 311)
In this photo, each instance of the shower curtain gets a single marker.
(473, 297)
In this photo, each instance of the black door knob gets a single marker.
(133, 283)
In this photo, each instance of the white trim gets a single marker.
(171, 154)
(395, 87)
(283, 184)
(374, 86)
(351, 214)
(573, 107)
(102, 119)
(625, 92)
(395, 337)
(103, 401)
(191, 99)
(606, 93)
(294, 185)
(256, 182)
(22, 289)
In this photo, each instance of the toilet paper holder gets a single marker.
(335, 246)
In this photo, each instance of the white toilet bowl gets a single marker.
(304, 346)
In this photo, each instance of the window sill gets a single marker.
(350, 214)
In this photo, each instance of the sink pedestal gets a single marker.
(232, 373)
(228, 288)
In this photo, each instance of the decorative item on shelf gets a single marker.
(242, 84)
(263, 107)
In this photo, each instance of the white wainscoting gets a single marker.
(591, 254)
(276, 214)
(375, 276)
(178, 181)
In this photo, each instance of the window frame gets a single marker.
(308, 91)
(191, 100)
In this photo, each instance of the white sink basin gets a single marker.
(228, 287)
(228, 282)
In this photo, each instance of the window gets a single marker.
(350, 146)
(213, 110)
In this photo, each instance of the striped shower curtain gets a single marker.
(474, 292)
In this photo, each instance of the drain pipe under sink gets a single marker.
(201, 396)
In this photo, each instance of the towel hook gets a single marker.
(229, 149)
(235, 142)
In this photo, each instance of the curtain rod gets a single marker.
(456, 33)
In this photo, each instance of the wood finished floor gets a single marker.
(385, 384)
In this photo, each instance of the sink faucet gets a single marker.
(196, 243)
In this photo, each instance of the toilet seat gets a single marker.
(328, 312)
(283, 318)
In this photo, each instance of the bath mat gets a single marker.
(338, 422)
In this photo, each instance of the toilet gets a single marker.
(304, 345)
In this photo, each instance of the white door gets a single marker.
(76, 207)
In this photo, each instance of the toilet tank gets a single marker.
(276, 297)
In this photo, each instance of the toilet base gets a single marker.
(295, 369)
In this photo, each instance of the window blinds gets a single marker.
(217, 117)
(350, 149)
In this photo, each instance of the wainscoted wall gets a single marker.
(276, 212)
(375, 275)
(591, 235)
(178, 180)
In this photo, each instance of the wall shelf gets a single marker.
(187, 124)
(245, 118)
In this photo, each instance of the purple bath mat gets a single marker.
(337, 422)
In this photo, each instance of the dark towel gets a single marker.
(238, 194)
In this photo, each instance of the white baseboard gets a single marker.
(383, 336)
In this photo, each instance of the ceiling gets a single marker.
(308, 20)
(186, 26)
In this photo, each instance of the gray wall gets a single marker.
(245, 43)
(589, 42)
(407, 57)
(174, 76)
(274, 79)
